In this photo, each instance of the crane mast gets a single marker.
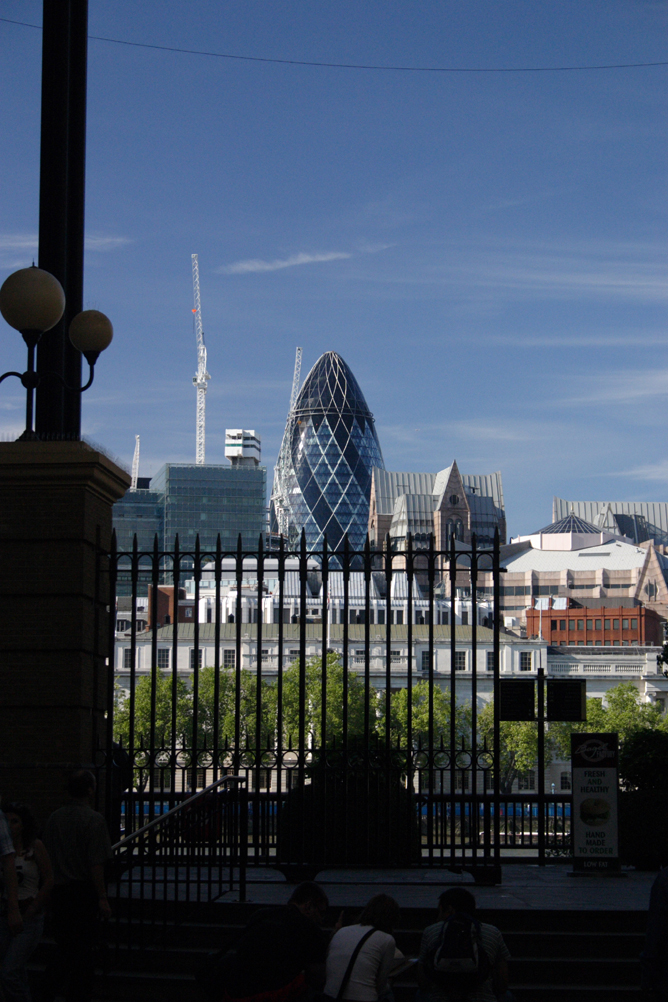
(135, 465)
(279, 493)
(201, 378)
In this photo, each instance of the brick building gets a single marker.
(596, 625)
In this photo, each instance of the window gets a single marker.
(562, 624)
(581, 624)
(615, 624)
(590, 624)
(209, 614)
(462, 781)
(122, 625)
(634, 624)
(565, 781)
(460, 660)
(261, 781)
(127, 658)
(525, 660)
(189, 612)
(607, 624)
(425, 661)
(381, 617)
(293, 655)
(553, 624)
(445, 619)
(163, 658)
(598, 624)
(615, 643)
(625, 624)
(395, 657)
(490, 660)
(527, 780)
(465, 617)
(194, 652)
(571, 625)
(229, 658)
(400, 617)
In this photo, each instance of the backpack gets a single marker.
(458, 963)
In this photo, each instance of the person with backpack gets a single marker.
(462, 959)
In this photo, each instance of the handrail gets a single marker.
(179, 807)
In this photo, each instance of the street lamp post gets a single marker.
(32, 301)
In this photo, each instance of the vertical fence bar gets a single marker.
(111, 680)
(303, 579)
(259, 574)
(323, 645)
(541, 766)
(238, 615)
(175, 671)
(198, 662)
(215, 751)
(279, 678)
(345, 642)
(409, 665)
(155, 578)
(496, 583)
(132, 745)
(452, 571)
(474, 820)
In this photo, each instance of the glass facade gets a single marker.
(192, 500)
(207, 500)
(323, 475)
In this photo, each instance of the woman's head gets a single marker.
(21, 823)
(382, 912)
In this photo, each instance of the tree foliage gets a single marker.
(313, 699)
(420, 716)
(163, 712)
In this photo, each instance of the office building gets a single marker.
(442, 504)
(323, 473)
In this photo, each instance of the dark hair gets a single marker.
(458, 898)
(27, 820)
(309, 892)
(80, 783)
(382, 912)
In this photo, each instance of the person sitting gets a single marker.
(367, 975)
(493, 982)
(281, 953)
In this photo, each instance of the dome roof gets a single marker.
(569, 524)
(331, 386)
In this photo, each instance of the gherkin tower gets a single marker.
(322, 479)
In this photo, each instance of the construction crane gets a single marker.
(201, 378)
(135, 465)
(279, 491)
(295, 379)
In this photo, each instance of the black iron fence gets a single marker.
(190, 855)
(357, 693)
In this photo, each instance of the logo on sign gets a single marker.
(594, 750)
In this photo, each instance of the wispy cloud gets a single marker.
(253, 265)
(652, 471)
(102, 243)
(18, 241)
(17, 249)
(625, 387)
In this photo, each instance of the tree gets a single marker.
(519, 745)
(420, 716)
(622, 712)
(227, 680)
(163, 713)
(334, 676)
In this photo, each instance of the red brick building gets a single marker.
(597, 626)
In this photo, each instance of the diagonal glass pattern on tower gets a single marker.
(322, 480)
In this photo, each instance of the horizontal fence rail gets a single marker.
(356, 693)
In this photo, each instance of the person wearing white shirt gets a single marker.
(369, 976)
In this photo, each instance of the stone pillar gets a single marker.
(55, 527)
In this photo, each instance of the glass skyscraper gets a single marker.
(322, 479)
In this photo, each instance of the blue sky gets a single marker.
(486, 251)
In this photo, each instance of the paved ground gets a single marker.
(524, 886)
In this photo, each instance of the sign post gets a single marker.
(594, 762)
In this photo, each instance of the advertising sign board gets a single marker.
(594, 763)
